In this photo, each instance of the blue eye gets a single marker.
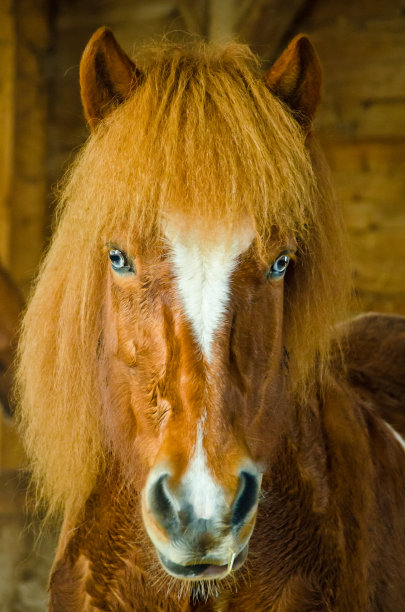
(278, 267)
(119, 261)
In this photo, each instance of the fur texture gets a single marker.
(113, 384)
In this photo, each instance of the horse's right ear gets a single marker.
(107, 76)
(296, 78)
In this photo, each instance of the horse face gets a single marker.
(194, 344)
(193, 331)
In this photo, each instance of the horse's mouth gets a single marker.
(203, 571)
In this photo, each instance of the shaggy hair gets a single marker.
(203, 137)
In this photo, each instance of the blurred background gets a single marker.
(361, 125)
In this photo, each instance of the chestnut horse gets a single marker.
(183, 396)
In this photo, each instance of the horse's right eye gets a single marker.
(119, 261)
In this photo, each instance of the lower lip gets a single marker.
(202, 571)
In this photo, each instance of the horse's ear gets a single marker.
(296, 78)
(107, 76)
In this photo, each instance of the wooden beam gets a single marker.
(29, 187)
(221, 20)
(264, 24)
(195, 16)
(7, 80)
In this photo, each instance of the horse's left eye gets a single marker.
(119, 261)
(279, 267)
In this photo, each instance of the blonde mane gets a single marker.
(201, 136)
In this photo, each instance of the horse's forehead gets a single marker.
(203, 263)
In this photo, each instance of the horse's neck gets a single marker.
(108, 544)
(320, 472)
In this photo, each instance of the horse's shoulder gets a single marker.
(373, 348)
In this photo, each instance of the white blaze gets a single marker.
(203, 264)
(204, 494)
(203, 271)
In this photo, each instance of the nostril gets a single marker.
(247, 497)
(160, 503)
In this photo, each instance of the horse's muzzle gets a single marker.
(192, 547)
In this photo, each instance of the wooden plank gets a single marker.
(29, 186)
(7, 76)
(364, 80)
(369, 179)
(340, 13)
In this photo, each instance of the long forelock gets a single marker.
(201, 139)
(202, 136)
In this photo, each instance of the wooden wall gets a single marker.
(362, 128)
(24, 37)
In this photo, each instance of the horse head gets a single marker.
(193, 347)
(183, 301)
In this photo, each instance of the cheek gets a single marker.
(139, 332)
(270, 315)
(134, 415)
(127, 347)
(139, 364)
(258, 327)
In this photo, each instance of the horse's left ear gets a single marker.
(296, 78)
(107, 76)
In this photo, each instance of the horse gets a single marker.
(11, 305)
(183, 390)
